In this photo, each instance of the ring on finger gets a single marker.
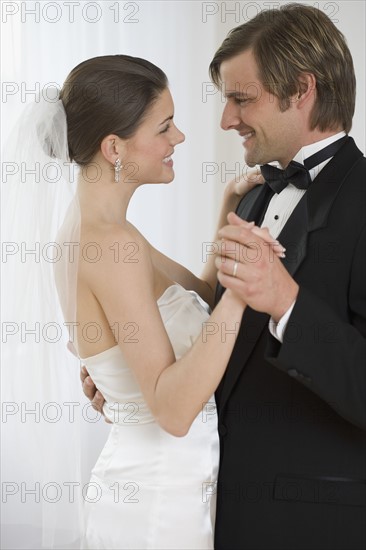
(235, 269)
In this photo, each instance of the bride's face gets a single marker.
(148, 153)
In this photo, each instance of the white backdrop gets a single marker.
(42, 41)
(181, 37)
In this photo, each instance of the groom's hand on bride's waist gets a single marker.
(92, 393)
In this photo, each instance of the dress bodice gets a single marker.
(183, 313)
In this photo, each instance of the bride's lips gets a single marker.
(168, 161)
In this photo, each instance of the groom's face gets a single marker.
(268, 133)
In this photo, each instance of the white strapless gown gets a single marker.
(148, 488)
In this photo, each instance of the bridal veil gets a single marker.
(42, 482)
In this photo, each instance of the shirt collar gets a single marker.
(308, 150)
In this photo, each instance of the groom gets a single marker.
(292, 404)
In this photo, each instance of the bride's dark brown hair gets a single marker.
(107, 95)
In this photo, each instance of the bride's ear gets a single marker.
(112, 147)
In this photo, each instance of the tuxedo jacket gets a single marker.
(292, 416)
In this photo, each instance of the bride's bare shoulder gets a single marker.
(111, 237)
(113, 249)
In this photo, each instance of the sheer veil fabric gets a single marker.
(41, 394)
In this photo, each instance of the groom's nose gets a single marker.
(230, 117)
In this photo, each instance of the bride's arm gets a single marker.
(180, 274)
(206, 284)
(175, 390)
(234, 192)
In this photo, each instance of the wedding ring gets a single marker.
(235, 269)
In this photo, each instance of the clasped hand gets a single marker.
(249, 264)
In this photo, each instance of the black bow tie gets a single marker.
(296, 173)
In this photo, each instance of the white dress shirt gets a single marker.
(281, 207)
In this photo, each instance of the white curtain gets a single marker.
(41, 42)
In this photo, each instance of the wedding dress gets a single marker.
(150, 489)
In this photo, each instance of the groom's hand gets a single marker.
(92, 393)
(255, 273)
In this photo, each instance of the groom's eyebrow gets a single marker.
(166, 120)
(236, 94)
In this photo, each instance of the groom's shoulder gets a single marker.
(353, 155)
(357, 166)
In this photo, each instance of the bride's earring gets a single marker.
(117, 168)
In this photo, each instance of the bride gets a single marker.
(143, 329)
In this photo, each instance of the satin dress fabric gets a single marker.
(150, 489)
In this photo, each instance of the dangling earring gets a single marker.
(117, 169)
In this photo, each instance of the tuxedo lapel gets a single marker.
(251, 208)
(327, 184)
(310, 214)
(252, 325)
(312, 211)
(256, 204)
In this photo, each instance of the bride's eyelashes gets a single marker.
(165, 129)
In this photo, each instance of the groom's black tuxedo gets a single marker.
(292, 416)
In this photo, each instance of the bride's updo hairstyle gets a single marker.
(107, 95)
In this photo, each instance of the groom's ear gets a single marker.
(306, 89)
(112, 147)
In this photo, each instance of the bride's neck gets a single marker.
(104, 201)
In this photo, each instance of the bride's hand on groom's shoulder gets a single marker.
(92, 393)
(240, 186)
